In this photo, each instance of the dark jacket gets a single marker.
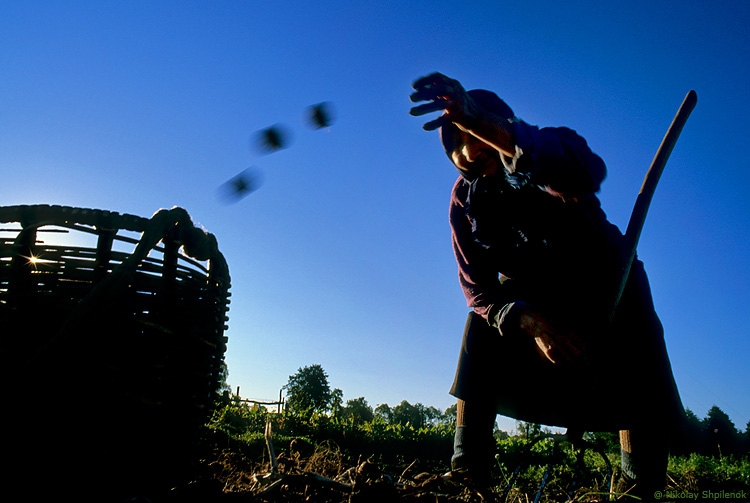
(541, 227)
(539, 237)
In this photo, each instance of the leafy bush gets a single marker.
(238, 419)
(697, 471)
(377, 438)
(564, 477)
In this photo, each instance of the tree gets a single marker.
(450, 415)
(384, 413)
(358, 411)
(308, 391)
(692, 421)
(528, 430)
(406, 413)
(432, 415)
(692, 438)
(721, 431)
(337, 400)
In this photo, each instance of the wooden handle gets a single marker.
(643, 201)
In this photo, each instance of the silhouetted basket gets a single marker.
(112, 338)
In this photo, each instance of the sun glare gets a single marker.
(36, 261)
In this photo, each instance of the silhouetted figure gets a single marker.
(539, 264)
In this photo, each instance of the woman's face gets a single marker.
(473, 156)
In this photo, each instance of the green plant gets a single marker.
(698, 472)
(237, 419)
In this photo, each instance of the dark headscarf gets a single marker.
(487, 100)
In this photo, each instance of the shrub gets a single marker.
(697, 471)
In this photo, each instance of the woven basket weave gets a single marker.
(114, 325)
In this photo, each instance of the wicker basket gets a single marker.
(112, 340)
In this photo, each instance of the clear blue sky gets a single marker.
(343, 256)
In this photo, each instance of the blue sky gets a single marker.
(342, 257)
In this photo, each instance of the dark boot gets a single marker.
(644, 463)
(473, 444)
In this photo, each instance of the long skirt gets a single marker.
(626, 381)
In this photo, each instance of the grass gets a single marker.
(329, 448)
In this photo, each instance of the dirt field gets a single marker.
(324, 475)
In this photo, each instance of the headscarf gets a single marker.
(485, 99)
